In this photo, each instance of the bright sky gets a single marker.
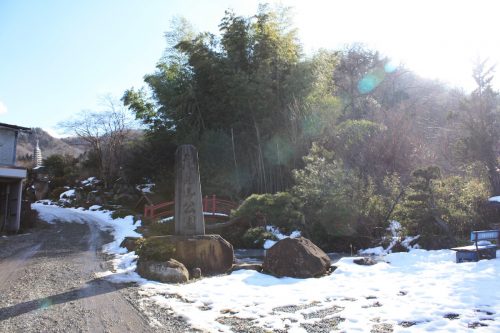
(58, 57)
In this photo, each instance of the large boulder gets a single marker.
(212, 254)
(296, 257)
(170, 271)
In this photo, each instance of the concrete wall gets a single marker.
(7, 146)
(11, 181)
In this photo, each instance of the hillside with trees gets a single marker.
(48, 144)
(337, 144)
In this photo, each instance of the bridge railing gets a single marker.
(212, 206)
(160, 210)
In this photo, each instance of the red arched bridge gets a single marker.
(213, 208)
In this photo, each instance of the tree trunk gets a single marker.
(494, 178)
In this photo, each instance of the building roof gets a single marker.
(15, 127)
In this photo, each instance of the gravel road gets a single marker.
(48, 284)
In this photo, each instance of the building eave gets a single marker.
(15, 127)
(12, 172)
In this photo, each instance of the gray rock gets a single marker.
(365, 261)
(170, 271)
(130, 243)
(296, 257)
(196, 273)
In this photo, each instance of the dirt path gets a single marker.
(48, 284)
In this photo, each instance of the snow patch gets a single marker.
(90, 181)
(68, 194)
(494, 199)
(268, 243)
(395, 230)
(145, 188)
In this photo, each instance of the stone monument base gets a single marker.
(212, 254)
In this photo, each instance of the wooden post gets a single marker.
(213, 204)
(477, 249)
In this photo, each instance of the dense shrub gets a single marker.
(62, 169)
(154, 249)
(254, 238)
(280, 209)
(56, 193)
(160, 229)
(122, 212)
(339, 205)
(443, 210)
(463, 204)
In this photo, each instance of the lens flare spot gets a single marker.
(370, 81)
(390, 67)
(45, 303)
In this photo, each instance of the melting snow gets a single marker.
(145, 188)
(420, 289)
(277, 233)
(67, 194)
(494, 199)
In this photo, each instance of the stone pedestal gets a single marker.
(211, 253)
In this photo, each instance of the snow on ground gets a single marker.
(494, 199)
(425, 290)
(146, 188)
(277, 233)
(67, 194)
(421, 287)
(89, 181)
(171, 218)
(395, 230)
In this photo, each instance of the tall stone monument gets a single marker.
(199, 253)
(188, 200)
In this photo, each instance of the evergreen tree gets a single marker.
(481, 126)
